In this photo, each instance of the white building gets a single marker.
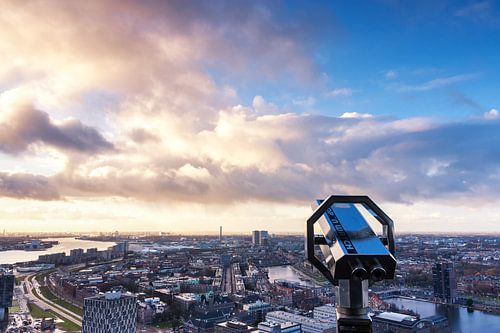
(309, 325)
(326, 313)
(272, 327)
(148, 309)
(109, 313)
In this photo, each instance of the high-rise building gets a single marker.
(256, 237)
(6, 293)
(220, 234)
(76, 253)
(263, 238)
(445, 283)
(109, 313)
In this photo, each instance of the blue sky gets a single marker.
(404, 59)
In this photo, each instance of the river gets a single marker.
(287, 273)
(65, 245)
(460, 320)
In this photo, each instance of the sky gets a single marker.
(183, 116)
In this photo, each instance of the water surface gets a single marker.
(65, 245)
(460, 320)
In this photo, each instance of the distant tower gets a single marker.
(445, 283)
(256, 237)
(264, 238)
(220, 234)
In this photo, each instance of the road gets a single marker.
(59, 310)
(227, 285)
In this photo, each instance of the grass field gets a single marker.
(41, 276)
(19, 278)
(15, 307)
(53, 298)
(68, 326)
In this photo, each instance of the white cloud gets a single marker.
(262, 106)
(436, 83)
(492, 114)
(391, 74)
(306, 102)
(356, 115)
(340, 92)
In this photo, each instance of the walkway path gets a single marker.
(64, 313)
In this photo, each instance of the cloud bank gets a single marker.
(179, 132)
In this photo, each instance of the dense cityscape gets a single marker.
(235, 284)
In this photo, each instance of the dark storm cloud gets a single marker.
(26, 125)
(27, 186)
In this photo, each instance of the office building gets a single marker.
(309, 325)
(76, 253)
(6, 293)
(220, 234)
(257, 310)
(271, 327)
(233, 326)
(110, 313)
(260, 238)
(445, 284)
(263, 238)
(326, 312)
(256, 237)
(402, 323)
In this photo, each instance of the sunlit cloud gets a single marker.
(178, 131)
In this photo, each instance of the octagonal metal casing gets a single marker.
(348, 243)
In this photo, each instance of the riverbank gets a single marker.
(460, 319)
(476, 307)
(289, 273)
(65, 244)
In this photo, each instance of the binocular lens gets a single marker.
(377, 273)
(359, 273)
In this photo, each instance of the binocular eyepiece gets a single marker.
(376, 273)
(359, 272)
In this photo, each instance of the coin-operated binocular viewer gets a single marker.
(353, 254)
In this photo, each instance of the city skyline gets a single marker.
(175, 117)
